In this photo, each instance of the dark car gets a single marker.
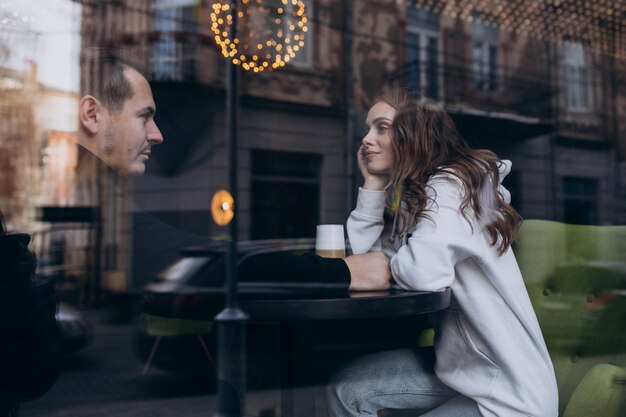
(75, 330)
(174, 334)
(176, 290)
(171, 334)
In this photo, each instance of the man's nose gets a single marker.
(154, 134)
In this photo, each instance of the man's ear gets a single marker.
(89, 113)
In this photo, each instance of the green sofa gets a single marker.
(576, 278)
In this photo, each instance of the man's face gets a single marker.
(130, 133)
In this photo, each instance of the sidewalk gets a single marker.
(105, 380)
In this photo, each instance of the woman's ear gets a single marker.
(89, 110)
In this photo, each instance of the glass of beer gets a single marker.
(330, 241)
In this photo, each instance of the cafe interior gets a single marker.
(261, 105)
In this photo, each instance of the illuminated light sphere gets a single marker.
(265, 31)
(222, 207)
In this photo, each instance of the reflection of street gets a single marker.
(105, 379)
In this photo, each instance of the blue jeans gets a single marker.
(397, 379)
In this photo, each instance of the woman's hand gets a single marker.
(372, 181)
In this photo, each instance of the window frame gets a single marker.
(173, 20)
(307, 61)
(423, 36)
(490, 70)
(575, 85)
(585, 194)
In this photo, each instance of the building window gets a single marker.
(577, 79)
(580, 200)
(422, 54)
(513, 183)
(304, 56)
(174, 53)
(284, 194)
(485, 56)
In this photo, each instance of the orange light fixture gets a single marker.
(222, 207)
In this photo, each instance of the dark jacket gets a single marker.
(30, 348)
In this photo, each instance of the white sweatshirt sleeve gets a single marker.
(427, 261)
(365, 224)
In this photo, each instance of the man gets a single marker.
(117, 123)
(117, 126)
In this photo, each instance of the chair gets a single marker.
(163, 326)
(601, 393)
(576, 279)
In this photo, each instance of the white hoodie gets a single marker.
(488, 343)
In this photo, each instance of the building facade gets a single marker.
(38, 142)
(555, 109)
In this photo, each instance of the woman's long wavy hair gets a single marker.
(426, 143)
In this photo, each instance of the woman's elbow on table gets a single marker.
(364, 236)
(427, 276)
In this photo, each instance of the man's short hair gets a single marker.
(113, 88)
(106, 79)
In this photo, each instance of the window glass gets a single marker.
(577, 82)
(580, 201)
(485, 56)
(173, 56)
(285, 194)
(184, 268)
(413, 62)
(478, 62)
(432, 68)
(304, 55)
(422, 52)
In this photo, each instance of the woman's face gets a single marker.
(377, 151)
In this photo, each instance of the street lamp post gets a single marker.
(231, 322)
(266, 47)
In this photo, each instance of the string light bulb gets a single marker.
(14, 17)
(598, 25)
(270, 32)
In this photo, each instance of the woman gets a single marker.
(436, 208)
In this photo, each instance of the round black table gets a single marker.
(310, 302)
(291, 304)
(288, 302)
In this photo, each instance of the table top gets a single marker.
(296, 302)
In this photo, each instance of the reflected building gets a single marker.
(38, 127)
(556, 110)
(293, 161)
(38, 142)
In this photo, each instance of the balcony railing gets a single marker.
(527, 95)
